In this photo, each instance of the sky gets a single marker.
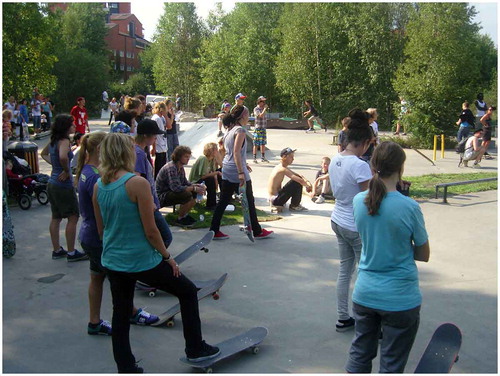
(149, 12)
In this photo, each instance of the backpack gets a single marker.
(460, 148)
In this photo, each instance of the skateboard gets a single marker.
(276, 209)
(200, 245)
(169, 315)
(442, 351)
(199, 285)
(247, 227)
(248, 340)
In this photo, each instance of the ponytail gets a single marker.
(388, 158)
(88, 146)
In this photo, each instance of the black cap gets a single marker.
(148, 126)
(286, 151)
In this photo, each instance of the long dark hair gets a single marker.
(387, 159)
(60, 128)
(358, 129)
(232, 116)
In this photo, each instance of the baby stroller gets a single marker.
(23, 185)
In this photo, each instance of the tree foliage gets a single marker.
(441, 67)
(27, 50)
(177, 43)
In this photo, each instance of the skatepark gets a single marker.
(285, 283)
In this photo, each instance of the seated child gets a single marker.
(321, 186)
(205, 170)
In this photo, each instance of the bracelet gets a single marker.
(167, 258)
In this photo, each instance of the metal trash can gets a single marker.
(28, 151)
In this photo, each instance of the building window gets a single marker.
(129, 68)
(116, 67)
(130, 55)
(131, 29)
(122, 67)
(122, 54)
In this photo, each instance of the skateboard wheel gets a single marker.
(170, 323)
(456, 359)
(215, 296)
(152, 294)
(208, 370)
(205, 250)
(255, 350)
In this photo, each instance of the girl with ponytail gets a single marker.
(386, 295)
(349, 175)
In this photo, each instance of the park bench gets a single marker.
(446, 185)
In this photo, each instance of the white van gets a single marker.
(152, 99)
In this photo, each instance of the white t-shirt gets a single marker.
(346, 173)
(10, 106)
(161, 140)
(105, 96)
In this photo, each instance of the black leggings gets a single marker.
(227, 190)
(122, 290)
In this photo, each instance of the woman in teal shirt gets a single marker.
(386, 295)
(133, 250)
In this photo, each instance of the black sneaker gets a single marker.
(60, 253)
(77, 256)
(190, 219)
(206, 352)
(344, 325)
(183, 222)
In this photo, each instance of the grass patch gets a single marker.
(425, 186)
(229, 218)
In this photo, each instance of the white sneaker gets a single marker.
(298, 208)
(320, 200)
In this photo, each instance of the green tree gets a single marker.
(440, 69)
(83, 67)
(234, 61)
(27, 50)
(176, 44)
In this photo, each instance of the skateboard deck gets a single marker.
(248, 340)
(169, 314)
(199, 285)
(200, 245)
(442, 351)
(247, 224)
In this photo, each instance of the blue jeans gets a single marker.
(349, 252)
(162, 225)
(399, 328)
(463, 132)
(37, 121)
(172, 143)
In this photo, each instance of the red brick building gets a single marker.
(125, 37)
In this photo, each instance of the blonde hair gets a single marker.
(88, 146)
(159, 106)
(372, 112)
(7, 115)
(131, 103)
(326, 159)
(116, 153)
(209, 149)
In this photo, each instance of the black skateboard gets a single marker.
(442, 351)
(248, 340)
(199, 285)
(200, 245)
(168, 315)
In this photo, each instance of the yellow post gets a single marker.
(435, 147)
(442, 146)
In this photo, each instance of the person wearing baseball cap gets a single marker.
(147, 130)
(278, 195)
(260, 134)
(225, 108)
(240, 100)
(80, 116)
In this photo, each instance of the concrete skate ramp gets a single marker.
(197, 134)
(287, 123)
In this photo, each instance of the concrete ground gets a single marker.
(286, 283)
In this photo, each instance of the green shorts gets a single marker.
(63, 201)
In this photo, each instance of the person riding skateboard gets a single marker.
(279, 195)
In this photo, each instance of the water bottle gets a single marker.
(199, 196)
